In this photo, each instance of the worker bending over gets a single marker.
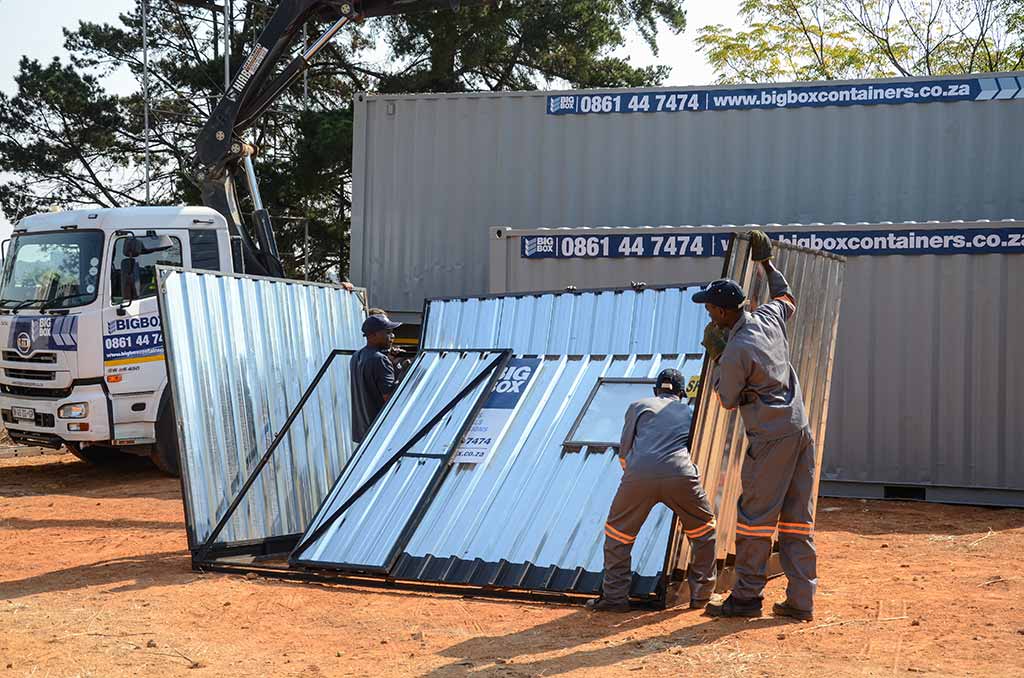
(752, 371)
(656, 467)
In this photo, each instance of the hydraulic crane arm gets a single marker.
(221, 154)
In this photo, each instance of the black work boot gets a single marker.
(603, 605)
(699, 603)
(784, 609)
(735, 607)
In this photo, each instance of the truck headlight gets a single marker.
(73, 411)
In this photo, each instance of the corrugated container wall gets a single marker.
(928, 355)
(432, 173)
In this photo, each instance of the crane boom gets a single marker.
(221, 155)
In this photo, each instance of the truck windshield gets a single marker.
(52, 270)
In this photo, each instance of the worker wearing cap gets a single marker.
(752, 372)
(655, 459)
(372, 373)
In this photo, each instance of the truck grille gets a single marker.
(34, 375)
(32, 392)
(15, 357)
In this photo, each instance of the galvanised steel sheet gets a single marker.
(582, 323)
(925, 371)
(240, 352)
(532, 515)
(433, 173)
(719, 444)
(365, 536)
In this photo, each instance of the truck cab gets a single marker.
(81, 346)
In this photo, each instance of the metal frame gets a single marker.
(492, 371)
(201, 554)
(569, 442)
(162, 273)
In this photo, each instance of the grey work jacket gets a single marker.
(655, 439)
(754, 372)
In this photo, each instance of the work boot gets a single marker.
(735, 607)
(784, 609)
(604, 605)
(699, 603)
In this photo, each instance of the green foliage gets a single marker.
(66, 141)
(845, 39)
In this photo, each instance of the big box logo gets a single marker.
(512, 383)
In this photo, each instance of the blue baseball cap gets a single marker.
(723, 293)
(378, 323)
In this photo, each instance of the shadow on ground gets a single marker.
(131, 573)
(584, 628)
(66, 475)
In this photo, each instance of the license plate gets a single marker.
(23, 413)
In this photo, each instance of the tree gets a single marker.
(67, 141)
(844, 39)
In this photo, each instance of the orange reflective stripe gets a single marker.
(755, 528)
(786, 299)
(804, 530)
(710, 523)
(617, 538)
(618, 535)
(765, 531)
(807, 525)
(700, 531)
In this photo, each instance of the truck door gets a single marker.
(133, 347)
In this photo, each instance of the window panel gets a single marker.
(600, 422)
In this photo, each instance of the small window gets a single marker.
(204, 249)
(600, 421)
(147, 266)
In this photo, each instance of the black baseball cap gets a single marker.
(378, 323)
(670, 380)
(723, 293)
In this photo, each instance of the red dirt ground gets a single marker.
(95, 581)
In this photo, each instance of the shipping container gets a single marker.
(433, 173)
(924, 404)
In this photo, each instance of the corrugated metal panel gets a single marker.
(923, 389)
(365, 537)
(241, 351)
(434, 172)
(529, 517)
(534, 505)
(583, 323)
(719, 443)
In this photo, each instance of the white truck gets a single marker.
(80, 338)
(83, 362)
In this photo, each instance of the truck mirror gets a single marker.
(132, 248)
(131, 284)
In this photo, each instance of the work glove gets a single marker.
(760, 246)
(715, 339)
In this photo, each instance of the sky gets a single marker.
(25, 34)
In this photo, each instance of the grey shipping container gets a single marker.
(925, 399)
(432, 173)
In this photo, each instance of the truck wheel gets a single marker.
(165, 453)
(97, 455)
